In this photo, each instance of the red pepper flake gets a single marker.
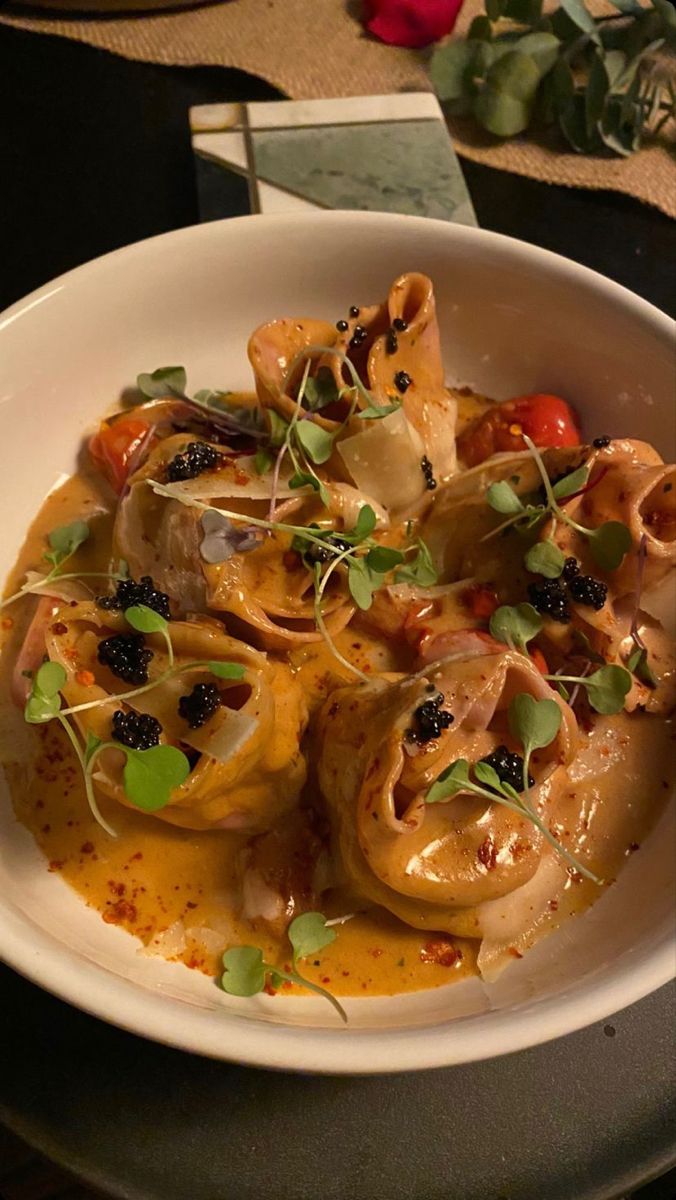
(553, 905)
(118, 889)
(56, 864)
(326, 978)
(375, 952)
(7, 622)
(268, 989)
(85, 678)
(87, 848)
(122, 911)
(487, 853)
(442, 952)
(59, 628)
(135, 857)
(514, 952)
(190, 904)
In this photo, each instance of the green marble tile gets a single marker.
(398, 166)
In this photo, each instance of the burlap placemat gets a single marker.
(317, 48)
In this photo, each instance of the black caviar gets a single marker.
(196, 458)
(322, 554)
(391, 341)
(200, 704)
(402, 381)
(571, 568)
(549, 598)
(600, 443)
(342, 326)
(127, 656)
(584, 589)
(400, 324)
(128, 593)
(508, 767)
(354, 311)
(139, 731)
(359, 336)
(430, 721)
(428, 471)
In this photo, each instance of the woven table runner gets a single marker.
(318, 48)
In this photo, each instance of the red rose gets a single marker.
(411, 23)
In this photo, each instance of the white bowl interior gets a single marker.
(514, 319)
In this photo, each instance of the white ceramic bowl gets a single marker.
(514, 319)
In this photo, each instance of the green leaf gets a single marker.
(596, 91)
(583, 646)
(64, 541)
(543, 48)
(44, 700)
(571, 483)
(503, 106)
(545, 558)
(320, 390)
(375, 412)
(50, 678)
(145, 619)
(666, 11)
(263, 461)
(640, 667)
(580, 16)
(487, 775)
(163, 382)
(303, 479)
(366, 523)
(503, 499)
(316, 442)
(452, 780)
(226, 670)
(609, 544)
(383, 559)
(573, 125)
(534, 723)
(526, 12)
(308, 934)
(361, 584)
(607, 688)
(515, 626)
(278, 428)
(420, 569)
(245, 971)
(448, 68)
(150, 776)
(481, 30)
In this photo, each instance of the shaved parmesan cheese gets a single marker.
(222, 739)
(384, 461)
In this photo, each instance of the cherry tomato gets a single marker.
(115, 444)
(546, 419)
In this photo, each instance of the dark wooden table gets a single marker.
(95, 153)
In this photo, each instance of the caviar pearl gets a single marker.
(342, 326)
(402, 381)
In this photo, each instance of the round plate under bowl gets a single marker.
(514, 319)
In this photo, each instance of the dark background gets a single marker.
(94, 154)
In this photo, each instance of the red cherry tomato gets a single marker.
(113, 446)
(546, 419)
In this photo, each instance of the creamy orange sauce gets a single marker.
(154, 875)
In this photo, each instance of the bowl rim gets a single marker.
(231, 1036)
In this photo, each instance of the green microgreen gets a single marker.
(44, 701)
(149, 776)
(515, 625)
(64, 541)
(606, 688)
(545, 558)
(246, 971)
(146, 620)
(533, 723)
(214, 405)
(608, 543)
(263, 461)
(420, 569)
(376, 412)
(640, 667)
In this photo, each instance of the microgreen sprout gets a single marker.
(515, 625)
(212, 406)
(149, 776)
(608, 543)
(535, 724)
(637, 662)
(246, 971)
(146, 620)
(63, 542)
(606, 688)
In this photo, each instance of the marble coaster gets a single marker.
(378, 153)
